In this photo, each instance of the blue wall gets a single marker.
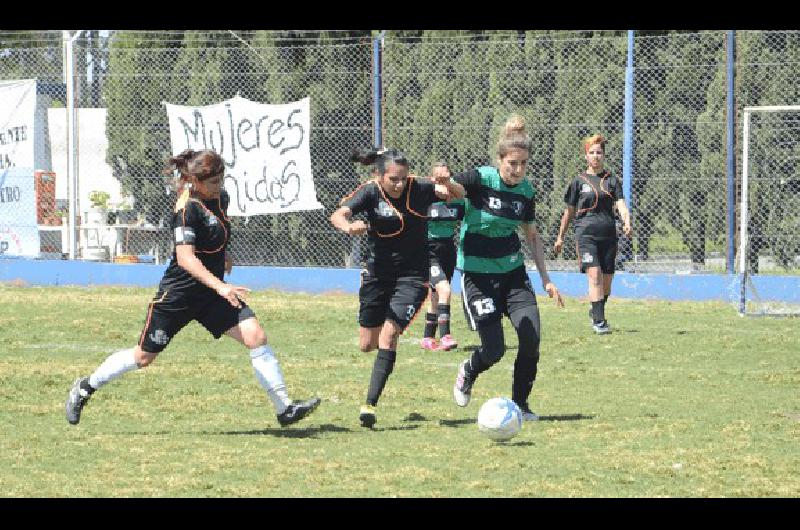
(316, 280)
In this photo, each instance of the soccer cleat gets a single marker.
(429, 343)
(297, 410)
(447, 343)
(462, 390)
(601, 328)
(76, 399)
(527, 413)
(367, 416)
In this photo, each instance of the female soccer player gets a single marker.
(591, 198)
(443, 218)
(394, 283)
(192, 288)
(494, 280)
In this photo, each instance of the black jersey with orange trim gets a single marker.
(205, 225)
(398, 228)
(593, 197)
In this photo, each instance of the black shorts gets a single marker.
(396, 299)
(593, 251)
(442, 255)
(167, 315)
(487, 297)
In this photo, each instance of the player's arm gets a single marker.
(341, 220)
(445, 187)
(566, 217)
(625, 215)
(189, 262)
(537, 249)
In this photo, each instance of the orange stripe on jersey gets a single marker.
(408, 199)
(150, 316)
(347, 197)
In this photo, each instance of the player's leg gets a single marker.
(484, 308)
(448, 264)
(428, 341)
(524, 316)
(248, 332)
(608, 259)
(160, 326)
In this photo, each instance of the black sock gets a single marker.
(87, 387)
(444, 319)
(384, 364)
(598, 311)
(430, 325)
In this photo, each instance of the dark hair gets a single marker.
(378, 157)
(200, 164)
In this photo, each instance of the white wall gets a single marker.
(92, 144)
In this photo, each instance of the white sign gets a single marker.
(17, 106)
(19, 233)
(265, 149)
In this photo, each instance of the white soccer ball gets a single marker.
(500, 419)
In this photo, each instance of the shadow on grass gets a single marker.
(286, 432)
(558, 417)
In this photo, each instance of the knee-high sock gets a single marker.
(528, 327)
(444, 319)
(114, 366)
(268, 373)
(430, 325)
(384, 364)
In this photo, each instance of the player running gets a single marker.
(494, 280)
(395, 282)
(192, 288)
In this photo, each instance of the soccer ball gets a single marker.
(500, 419)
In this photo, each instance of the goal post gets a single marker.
(773, 178)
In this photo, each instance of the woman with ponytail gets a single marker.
(591, 198)
(394, 283)
(499, 200)
(193, 288)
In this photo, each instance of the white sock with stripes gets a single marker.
(268, 373)
(113, 367)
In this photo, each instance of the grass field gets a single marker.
(682, 400)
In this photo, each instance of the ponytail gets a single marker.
(379, 158)
(513, 136)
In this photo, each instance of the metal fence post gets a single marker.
(72, 130)
(730, 119)
(377, 90)
(627, 139)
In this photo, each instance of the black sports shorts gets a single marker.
(487, 297)
(167, 315)
(442, 255)
(396, 299)
(593, 251)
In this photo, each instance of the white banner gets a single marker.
(17, 106)
(265, 149)
(19, 232)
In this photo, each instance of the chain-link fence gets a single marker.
(445, 96)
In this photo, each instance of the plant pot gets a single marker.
(96, 216)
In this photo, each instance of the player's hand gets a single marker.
(627, 230)
(552, 292)
(440, 173)
(234, 294)
(356, 228)
(558, 245)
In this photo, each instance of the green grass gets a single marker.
(682, 400)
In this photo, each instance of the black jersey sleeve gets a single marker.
(185, 222)
(471, 180)
(362, 199)
(572, 194)
(425, 191)
(224, 201)
(615, 188)
(529, 215)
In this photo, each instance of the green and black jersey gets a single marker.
(443, 218)
(493, 211)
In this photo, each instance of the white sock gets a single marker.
(113, 367)
(268, 373)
